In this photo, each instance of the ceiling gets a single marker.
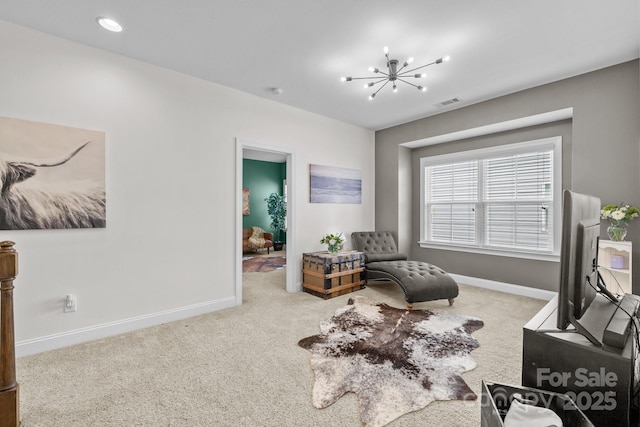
(304, 47)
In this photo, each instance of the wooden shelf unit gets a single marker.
(618, 280)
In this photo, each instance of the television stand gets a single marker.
(601, 380)
(579, 329)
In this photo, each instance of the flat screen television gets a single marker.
(578, 260)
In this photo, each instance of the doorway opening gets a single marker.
(264, 152)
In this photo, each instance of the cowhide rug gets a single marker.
(263, 264)
(396, 361)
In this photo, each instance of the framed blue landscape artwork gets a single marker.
(335, 185)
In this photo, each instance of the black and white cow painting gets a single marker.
(51, 176)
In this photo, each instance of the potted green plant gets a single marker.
(277, 210)
(334, 242)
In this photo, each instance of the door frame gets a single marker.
(289, 153)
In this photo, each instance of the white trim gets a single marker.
(553, 143)
(549, 143)
(238, 216)
(508, 288)
(492, 251)
(77, 336)
(538, 119)
(423, 200)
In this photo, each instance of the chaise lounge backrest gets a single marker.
(377, 246)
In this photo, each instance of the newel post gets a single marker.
(9, 402)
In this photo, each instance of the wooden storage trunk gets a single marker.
(329, 275)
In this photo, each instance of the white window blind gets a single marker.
(502, 198)
(518, 196)
(453, 192)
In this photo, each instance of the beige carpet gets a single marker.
(242, 366)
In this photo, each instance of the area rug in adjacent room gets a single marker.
(263, 264)
(395, 360)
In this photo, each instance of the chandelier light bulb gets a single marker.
(447, 58)
(410, 60)
(373, 95)
(395, 88)
(386, 49)
(422, 88)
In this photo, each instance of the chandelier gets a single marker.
(394, 74)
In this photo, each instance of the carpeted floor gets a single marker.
(242, 366)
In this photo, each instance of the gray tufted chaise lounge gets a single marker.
(420, 281)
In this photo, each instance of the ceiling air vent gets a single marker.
(449, 102)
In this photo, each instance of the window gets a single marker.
(501, 200)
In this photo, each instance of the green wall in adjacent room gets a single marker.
(262, 179)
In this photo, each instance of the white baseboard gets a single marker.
(505, 287)
(77, 336)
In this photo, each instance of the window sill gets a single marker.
(494, 252)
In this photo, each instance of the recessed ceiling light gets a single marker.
(109, 24)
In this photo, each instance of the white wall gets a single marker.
(169, 246)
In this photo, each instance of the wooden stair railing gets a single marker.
(9, 399)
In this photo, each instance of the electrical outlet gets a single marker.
(70, 303)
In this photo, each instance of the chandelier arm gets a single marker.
(409, 74)
(417, 68)
(405, 65)
(380, 88)
(409, 83)
(380, 81)
(373, 77)
(375, 83)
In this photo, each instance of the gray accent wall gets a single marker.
(601, 157)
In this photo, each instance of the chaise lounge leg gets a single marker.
(451, 301)
(409, 307)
